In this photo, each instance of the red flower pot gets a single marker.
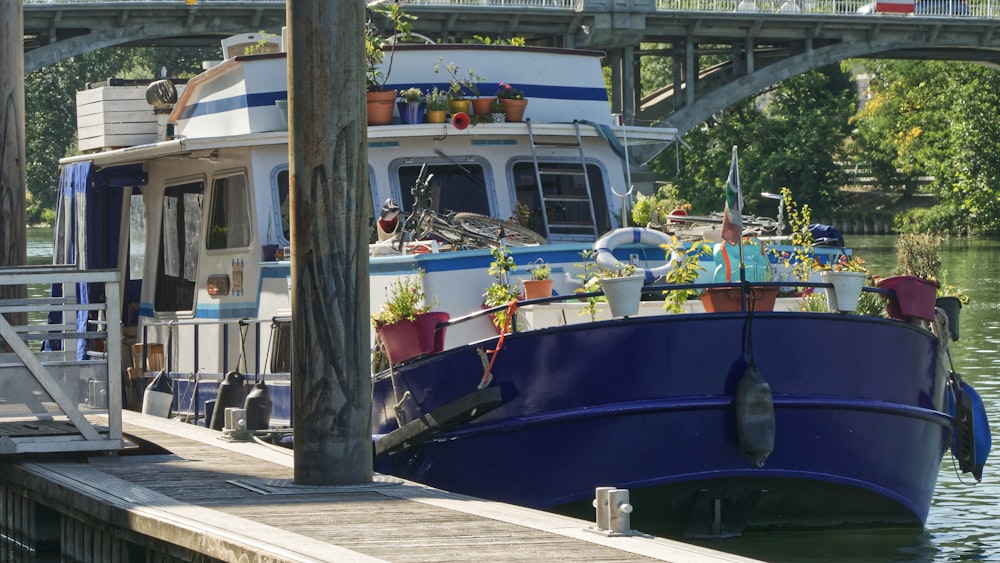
(913, 297)
(405, 340)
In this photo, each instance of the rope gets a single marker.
(511, 311)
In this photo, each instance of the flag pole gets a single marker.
(739, 198)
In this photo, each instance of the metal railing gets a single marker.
(60, 371)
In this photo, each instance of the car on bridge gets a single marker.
(919, 7)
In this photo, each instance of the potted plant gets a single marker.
(497, 113)
(381, 100)
(501, 292)
(540, 285)
(623, 290)
(687, 268)
(405, 323)
(436, 103)
(847, 275)
(460, 86)
(411, 108)
(513, 101)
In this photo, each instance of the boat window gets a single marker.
(281, 181)
(136, 237)
(569, 211)
(179, 242)
(280, 350)
(229, 218)
(455, 187)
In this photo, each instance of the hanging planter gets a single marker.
(846, 290)
(913, 298)
(623, 294)
(405, 340)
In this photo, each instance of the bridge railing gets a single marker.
(929, 8)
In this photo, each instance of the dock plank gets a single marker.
(234, 500)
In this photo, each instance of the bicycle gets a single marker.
(462, 230)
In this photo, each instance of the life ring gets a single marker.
(605, 246)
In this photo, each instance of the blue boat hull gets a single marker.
(647, 404)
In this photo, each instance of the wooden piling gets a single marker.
(331, 391)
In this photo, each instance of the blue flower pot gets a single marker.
(411, 112)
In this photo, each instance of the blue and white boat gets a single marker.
(714, 421)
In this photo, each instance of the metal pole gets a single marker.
(329, 233)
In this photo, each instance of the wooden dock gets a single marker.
(192, 496)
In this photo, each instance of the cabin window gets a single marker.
(136, 237)
(454, 187)
(179, 242)
(569, 211)
(281, 190)
(280, 350)
(229, 218)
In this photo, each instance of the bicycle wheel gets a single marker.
(488, 228)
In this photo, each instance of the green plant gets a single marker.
(539, 270)
(802, 261)
(687, 267)
(437, 100)
(589, 282)
(920, 255)
(501, 291)
(487, 40)
(412, 95)
(508, 92)
(375, 43)
(262, 46)
(496, 106)
(655, 208)
(405, 300)
(843, 263)
(814, 303)
(621, 271)
(459, 85)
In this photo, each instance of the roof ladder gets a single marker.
(568, 205)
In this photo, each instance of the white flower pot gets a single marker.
(846, 290)
(623, 294)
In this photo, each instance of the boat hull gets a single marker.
(648, 405)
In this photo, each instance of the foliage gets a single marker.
(797, 130)
(686, 269)
(501, 291)
(508, 92)
(405, 301)
(814, 303)
(621, 271)
(590, 282)
(459, 85)
(919, 255)
(654, 208)
(412, 95)
(487, 40)
(496, 106)
(401, 25)
(437, 100)
(843, 263)
(539, 270)
(262, 46)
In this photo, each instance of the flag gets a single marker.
(732, 218)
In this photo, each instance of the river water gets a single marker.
(964, 521)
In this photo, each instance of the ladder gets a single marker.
(567, 207)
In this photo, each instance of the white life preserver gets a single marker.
(635, 235)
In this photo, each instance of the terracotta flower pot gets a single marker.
(380, 107)
(536, 289)
(730, 300)
(405, 340)
(481, 106)
(514, 109)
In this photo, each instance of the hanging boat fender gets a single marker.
(755, 416)
(232, 393)
(970, 439)
(605, 246)
(158, 396)
(258, 407)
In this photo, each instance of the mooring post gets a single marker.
(13, 233)
(328, 159)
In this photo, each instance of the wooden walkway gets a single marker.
(235, 501)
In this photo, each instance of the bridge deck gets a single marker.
(236, 501)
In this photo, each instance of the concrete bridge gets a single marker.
(720, 51)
